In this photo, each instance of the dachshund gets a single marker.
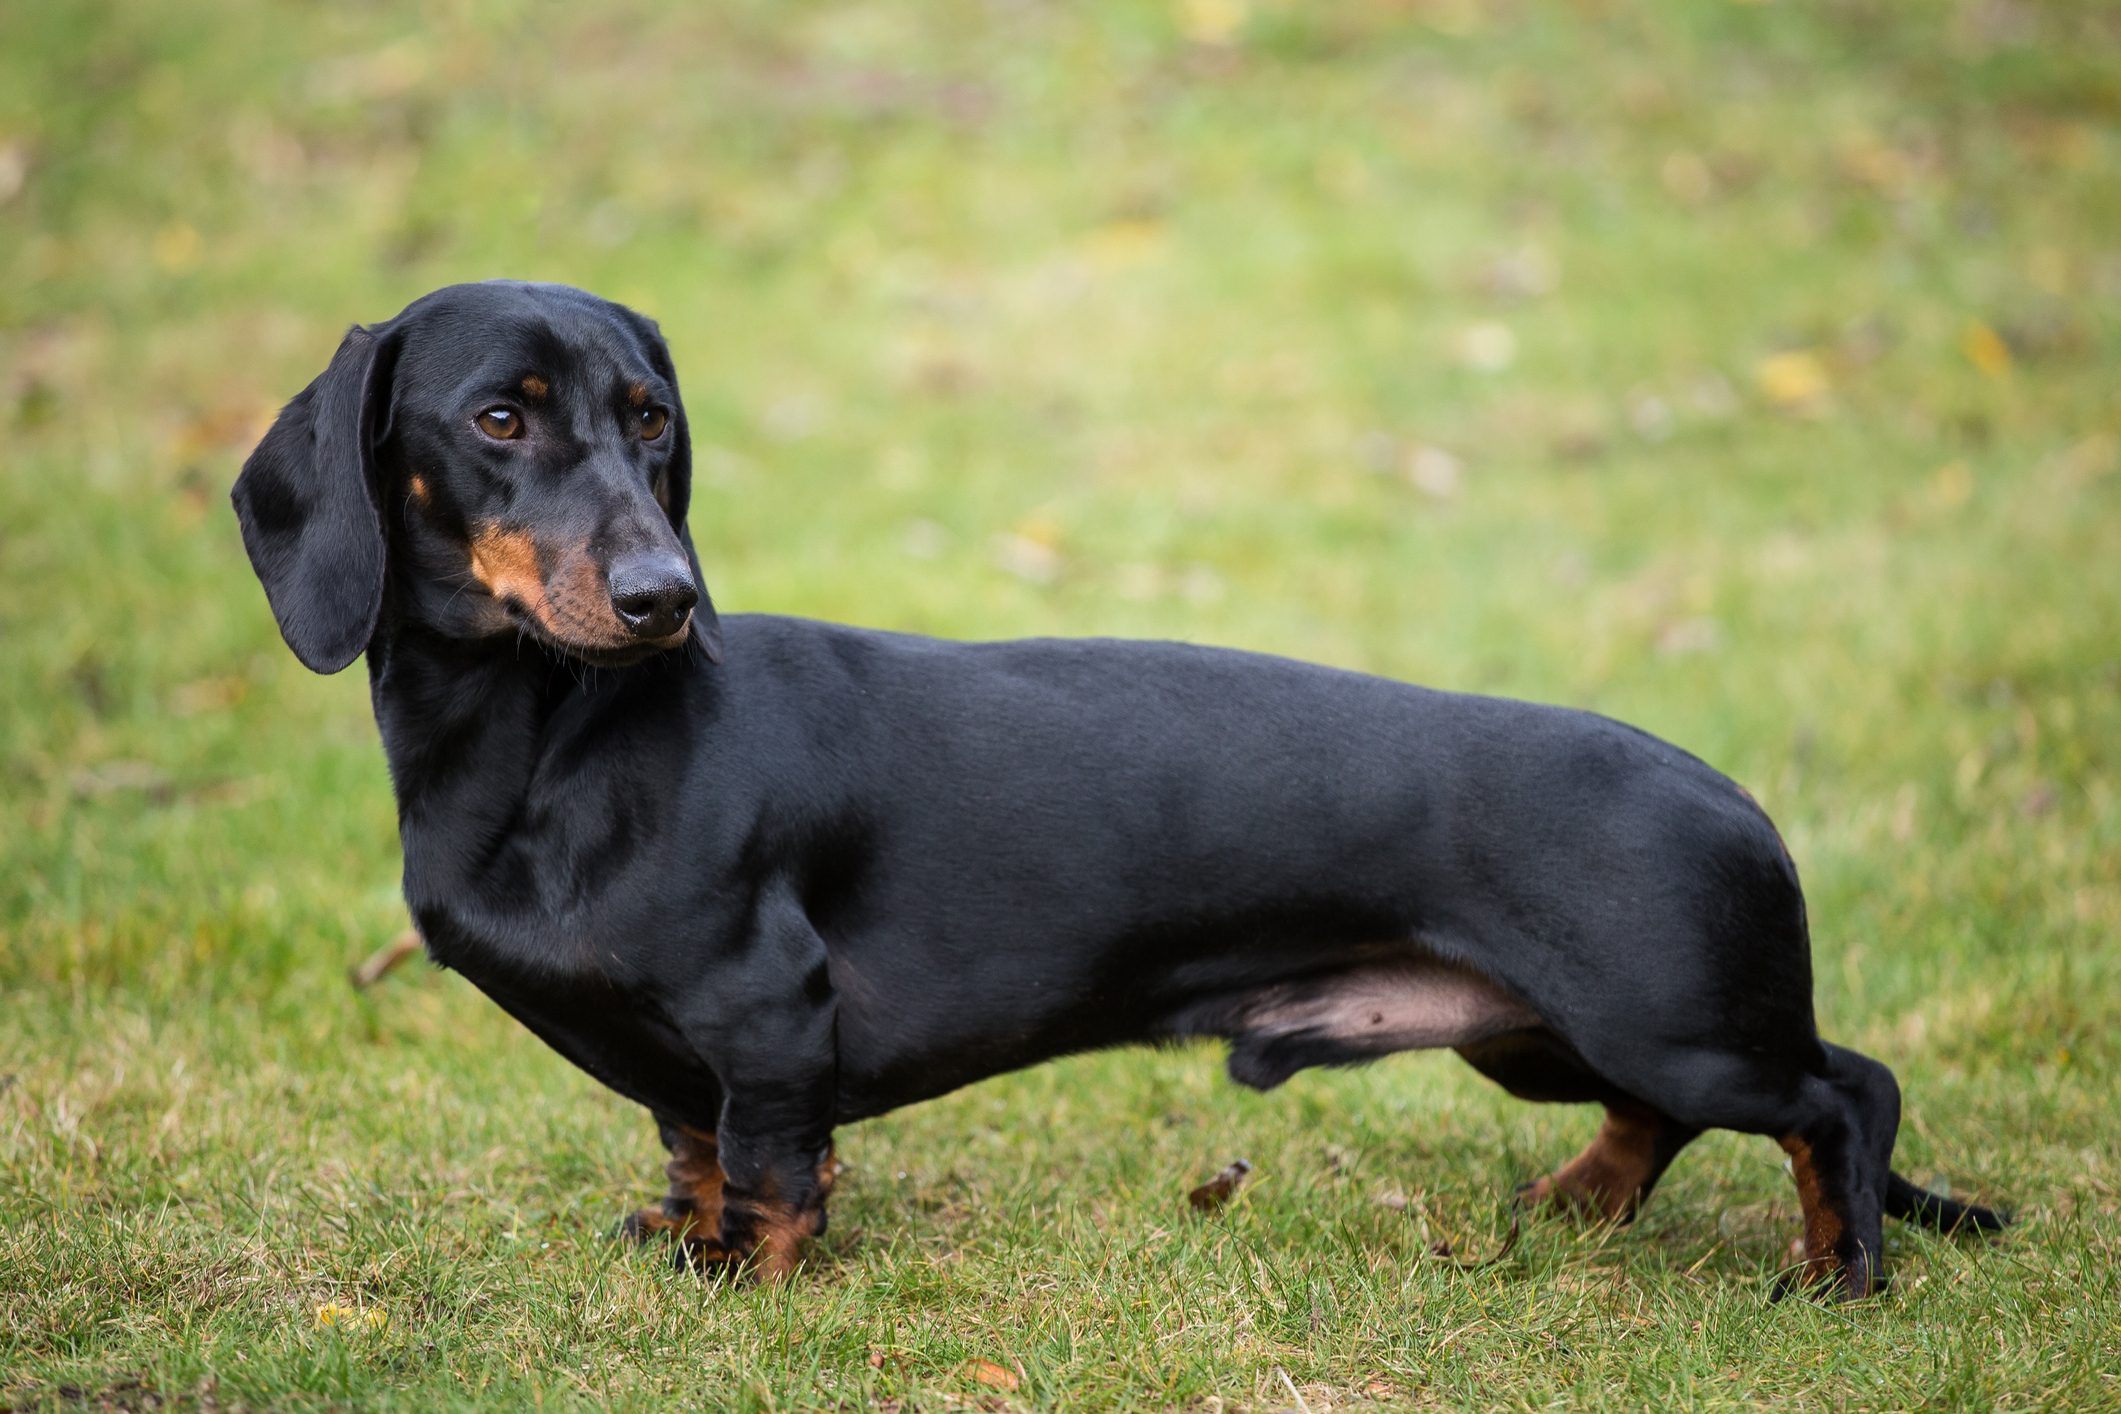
(768, 876)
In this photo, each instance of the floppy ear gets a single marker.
(307, 503)
(706, 624)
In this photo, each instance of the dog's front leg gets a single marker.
(778, 1171)
(768, 1025)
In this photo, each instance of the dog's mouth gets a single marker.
(599, 653)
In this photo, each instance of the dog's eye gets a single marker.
(653, 421)
(501, 424)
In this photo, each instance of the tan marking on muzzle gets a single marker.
(572, 603)
(505, 563)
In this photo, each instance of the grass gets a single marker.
(1745, 371)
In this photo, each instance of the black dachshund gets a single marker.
(767, 876)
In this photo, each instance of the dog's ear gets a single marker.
(307, 504)
(706, 624)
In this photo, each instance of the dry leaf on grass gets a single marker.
(993, 1376)
(1212, 1195)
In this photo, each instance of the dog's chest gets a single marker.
(588, 1003)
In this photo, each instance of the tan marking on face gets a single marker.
(505, 563)
(637, 395)
(535, 388)
(420, 493)
(572, 602)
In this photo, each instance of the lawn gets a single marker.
(1747, 371)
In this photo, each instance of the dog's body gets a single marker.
(773, 876)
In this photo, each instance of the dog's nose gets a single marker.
(652, 594)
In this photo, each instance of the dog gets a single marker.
(767, 876)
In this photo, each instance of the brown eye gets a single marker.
(501, 424)
(653, 421)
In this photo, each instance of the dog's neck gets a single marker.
(477, 733)
(463, 727)
(468, 728)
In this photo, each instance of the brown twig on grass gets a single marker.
(378, 964)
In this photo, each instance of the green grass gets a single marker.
(1794, 439)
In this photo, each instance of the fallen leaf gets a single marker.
(1211, 21)
(177, 246)
(1793, 379)
(349, 1317)
(1220, 1189)
(993, 1376)
(1985, 349)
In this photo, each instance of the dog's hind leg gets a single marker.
(1833, 1112)
(1616, 1172)
(1841, 1154)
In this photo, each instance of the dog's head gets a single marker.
(512, 457)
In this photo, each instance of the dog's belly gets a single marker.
(1399, 1006)
(1367, 1010)
(1337, 1005)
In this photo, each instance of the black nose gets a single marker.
(652, 594)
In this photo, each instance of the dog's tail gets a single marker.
(1903, 1200)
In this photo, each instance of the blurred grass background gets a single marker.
(1743, 370)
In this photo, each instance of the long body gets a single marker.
(1011, 851)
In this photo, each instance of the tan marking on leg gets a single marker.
(1823, 1227)
(1607, 1179)
(692, 1212)
(773, 1230)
